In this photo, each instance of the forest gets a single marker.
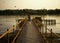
(30, 12)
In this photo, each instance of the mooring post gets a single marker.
(8, 35)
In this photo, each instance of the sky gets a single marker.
(29, 4)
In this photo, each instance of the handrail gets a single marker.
(3, 34)
(38, 30)
(52, 33)
(9, 30)
(18, 33)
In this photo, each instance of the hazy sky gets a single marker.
(29, 4)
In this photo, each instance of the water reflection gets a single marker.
(8, 21)
(55, 28)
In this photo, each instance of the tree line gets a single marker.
(30, 12)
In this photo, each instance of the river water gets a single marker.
(7, 22)
(55, 28)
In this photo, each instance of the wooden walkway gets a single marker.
(30, 34)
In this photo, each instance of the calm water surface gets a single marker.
(7, 22)
(55, 28)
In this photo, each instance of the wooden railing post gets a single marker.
(8, 36)
(51, 36)
(45, 32)
(42, 29)
(13, 29)
(45, 28)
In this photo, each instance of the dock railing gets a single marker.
(48, 37)
(19, 32)
(11, 34)
(49, 34)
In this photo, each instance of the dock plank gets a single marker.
(30, 34)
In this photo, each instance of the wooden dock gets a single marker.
(30, 34)
(28, 31)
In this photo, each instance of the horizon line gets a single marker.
(29, 9)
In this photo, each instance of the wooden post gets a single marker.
(42, 29)
(8, 36)
(51, 36)
(46, 29)
(45, 32)
(13, 28)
